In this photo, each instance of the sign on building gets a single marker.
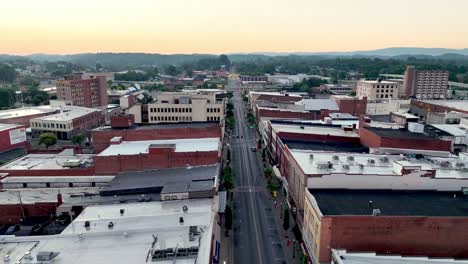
(17, 136)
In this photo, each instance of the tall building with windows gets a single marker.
(425, 84)
(76, 90)
(377, 89)
(186, 107)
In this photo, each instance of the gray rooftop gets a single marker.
(192, 179)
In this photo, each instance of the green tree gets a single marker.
(268, 172)
(47, 139)
(228, 219)
(286, 218)
(7, 73)
(171, 70)
(228, 181)
(78, 139)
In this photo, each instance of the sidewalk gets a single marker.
(226, 247)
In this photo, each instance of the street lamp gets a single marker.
(21, 93)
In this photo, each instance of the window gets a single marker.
(70, 184)
(25, 185)
(47, 184)
(93, 184)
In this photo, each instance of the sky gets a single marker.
(219, 26)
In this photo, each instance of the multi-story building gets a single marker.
(22, 116)
(186, 107)
(253, 79)
(425, 84)
(412, 223)
(377, 89)
(12, 136)
(90, 92)
(340, 89)
(72, 120)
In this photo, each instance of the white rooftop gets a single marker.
(457, 104)
(344, 257)
(318, 104)
(47, 161)
(7, 126)
(69, 113)
(142, 228)
(404, 114)
(181, 145)
(313, 130)
(455, 130)
(320, 163)
(27, 111)
(55, 179)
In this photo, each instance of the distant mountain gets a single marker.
(387, 52)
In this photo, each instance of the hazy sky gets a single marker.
(218, 26)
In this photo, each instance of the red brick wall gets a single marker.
(162, 159)
(5, 143)
(101, 138)
(125, 121)
(426, 236)
(434, 108)
(12, 214)
(372, 140)
(353, 106)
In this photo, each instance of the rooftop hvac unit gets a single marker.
(346, 166)
(46, 256)
(376, 212)
(445, 164)
(335, 157)
(371, 161)
(350, 158)
(460, 164)
(325, 165)
(384, 159)
(361, 167)
(72, 163)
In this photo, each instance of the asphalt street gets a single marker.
(256, 231)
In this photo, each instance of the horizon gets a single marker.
(213, 27)
(231, 53)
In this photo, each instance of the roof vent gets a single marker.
(376, 212)
(335, 157)
(350, 158)
(302, 127)
(87, 224)
(122, 211)
(185, 208)
(346, 166)
(27, 255)
(6, 259)
(361, 166)
(181, 220)
(110, 225)
(311, 156)
(384, 159)
(46, 256)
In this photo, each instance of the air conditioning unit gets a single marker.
(445, 164)
(350, 158)
(346, 166)
(325, 165)
(384, 159)
(335, 157)
(371, 161)
(460, 164)
(376, 212)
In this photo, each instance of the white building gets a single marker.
(377, 90)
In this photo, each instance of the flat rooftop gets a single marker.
(456, 104)
(163, 126)
(201, 178)
(143, 228)
(405, 115)
(377, 82)
(454, 130)
(314, 129)
(397, 133)
(319, 104)
(329, 146)
(26, 111)
(69, 113)
(342, 116)
(325, 162)
(369, 257)
(391, 203)
(8, 126)
(49, 162)
(181, 145)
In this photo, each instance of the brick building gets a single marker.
(72, 120)
(440, 111)
(253, 79)
(402, 140)
(75, 90)
(101, 137)
(22, 116)
(156, 154)
(425, 84)
(417, 223)
(12, 136)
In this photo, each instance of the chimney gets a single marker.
(59, 199)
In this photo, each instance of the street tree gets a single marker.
(78, 139)
(228, 219)
(47, 139)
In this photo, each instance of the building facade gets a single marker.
(377, 90)
(77, 91)
(425, 84)
(186, 107)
